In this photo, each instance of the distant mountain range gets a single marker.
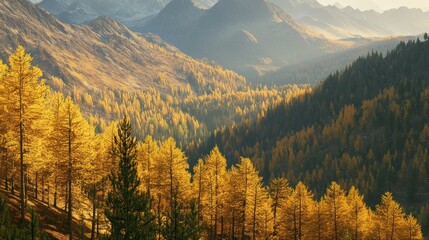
(337, 22)
(251, 37)
(81, 11)
(100, 54)
(245, 35)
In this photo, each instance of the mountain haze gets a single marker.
(245, 35)
(335, 22)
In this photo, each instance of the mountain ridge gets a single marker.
(241, 35)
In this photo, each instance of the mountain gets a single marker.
(102, 53)
(366, 125)
(81, 11)
(173, 20)
(338, 23)
(245, 35)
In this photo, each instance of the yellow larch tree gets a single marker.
(336, 207)
(198, 187)
(297, 215)
(242, 181)
(358, 217)
(76, 137)
(56, 145)
(24, 102)
(390, 218)
(279, 190)
(413, 230)
(147, 153)
(173, 182)
(214, 177)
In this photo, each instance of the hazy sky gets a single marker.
(380, 5)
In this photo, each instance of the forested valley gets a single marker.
(364, 126)
(112, 186)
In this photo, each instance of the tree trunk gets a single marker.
(233, 226)
(21, 151)
(69, 174)
(94, 211)
(49, 193)
(12, 184)
(254, 212)
(55, 191)
(36, 191)
(43, 188)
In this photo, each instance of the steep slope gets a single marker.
(335, 22)
(101, 54)
(366, 125)
(241, 34)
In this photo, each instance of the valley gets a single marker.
(183, 119)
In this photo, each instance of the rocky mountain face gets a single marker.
(249, 36)
(337, 22)
(100, 54)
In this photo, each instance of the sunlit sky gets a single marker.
(380, 5)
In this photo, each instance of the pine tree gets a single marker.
(128, 209)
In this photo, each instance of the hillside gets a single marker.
(111, 72)
(103, 53)
(363, 126)
(249, 37)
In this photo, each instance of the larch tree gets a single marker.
(358, 215)
(198, 187)
(174, 183)
(57, 145)
(413, 230)
(280, 191)
(76, 136)
(215, 178)
(242, 181)
(390, 218)
(128, 209)
(24, 103)
(147, 154)
(297, 215)
(336, 207)
(103, 164)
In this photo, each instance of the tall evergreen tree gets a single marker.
(128, 209)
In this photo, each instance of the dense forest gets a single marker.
(365, 126)
(125, 189)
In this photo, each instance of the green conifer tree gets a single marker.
(128, 209)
